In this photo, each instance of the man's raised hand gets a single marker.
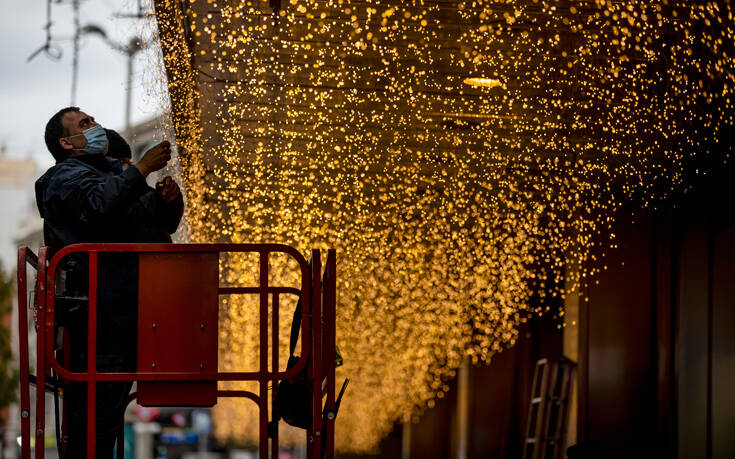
(168, 188)
(155, 158)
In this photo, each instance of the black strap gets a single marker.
(295, 327)
(296, 323)
(339, 397)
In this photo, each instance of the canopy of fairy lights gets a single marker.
(463, 157)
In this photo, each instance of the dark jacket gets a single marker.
(90, 198)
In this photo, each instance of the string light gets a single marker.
(485, 82)
(456, 208)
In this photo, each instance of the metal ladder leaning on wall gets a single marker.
(548, 411)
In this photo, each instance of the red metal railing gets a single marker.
(317, 339)
(25, 257)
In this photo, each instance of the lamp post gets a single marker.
(130, 49)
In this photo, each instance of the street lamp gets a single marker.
(133, 46)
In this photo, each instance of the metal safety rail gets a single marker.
(318, 297)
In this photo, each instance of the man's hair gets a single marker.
(55, 130)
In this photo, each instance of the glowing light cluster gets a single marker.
(459, 156)
(485, 82)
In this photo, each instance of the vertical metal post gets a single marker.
(463, 383)
(263, 374)
(92, 358)
(330, 313)
(43, 287)
(41, 356)
(317, 353)
(571, 350)
(406, 440)
(75, 56)
(49, 326)
(25, 397)
(274, 369)
(65, 406)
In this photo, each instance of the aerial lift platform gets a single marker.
(177, 365)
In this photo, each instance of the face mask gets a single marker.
(97, 142)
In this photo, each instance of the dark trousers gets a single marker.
(116, 352)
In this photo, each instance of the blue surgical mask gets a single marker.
(97, 142)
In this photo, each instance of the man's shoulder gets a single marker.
(49, 175)
(54, 183)
(64, 173)
(71, 166)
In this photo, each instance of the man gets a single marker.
(89, 197)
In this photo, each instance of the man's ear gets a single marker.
(65, 144)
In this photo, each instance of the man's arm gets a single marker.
(94, 198)
(90, 197)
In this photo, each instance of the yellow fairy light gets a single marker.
(455, 209)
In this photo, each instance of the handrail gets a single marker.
(177, 248)
(25, 257)
(41, 369)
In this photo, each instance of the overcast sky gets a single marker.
(30, 92)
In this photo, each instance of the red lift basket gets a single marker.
(178, 312)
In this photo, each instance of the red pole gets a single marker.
(64, 406)
(263, 376)
(317, 352)
(330, 313)
(41, 352)
(274, 366)
(92, 359)
(25, 396)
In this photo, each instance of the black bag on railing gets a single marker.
(293, 399)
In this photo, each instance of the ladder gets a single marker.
(548, 411)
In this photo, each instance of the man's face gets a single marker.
(74, 124)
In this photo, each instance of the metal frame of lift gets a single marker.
(318, 298)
